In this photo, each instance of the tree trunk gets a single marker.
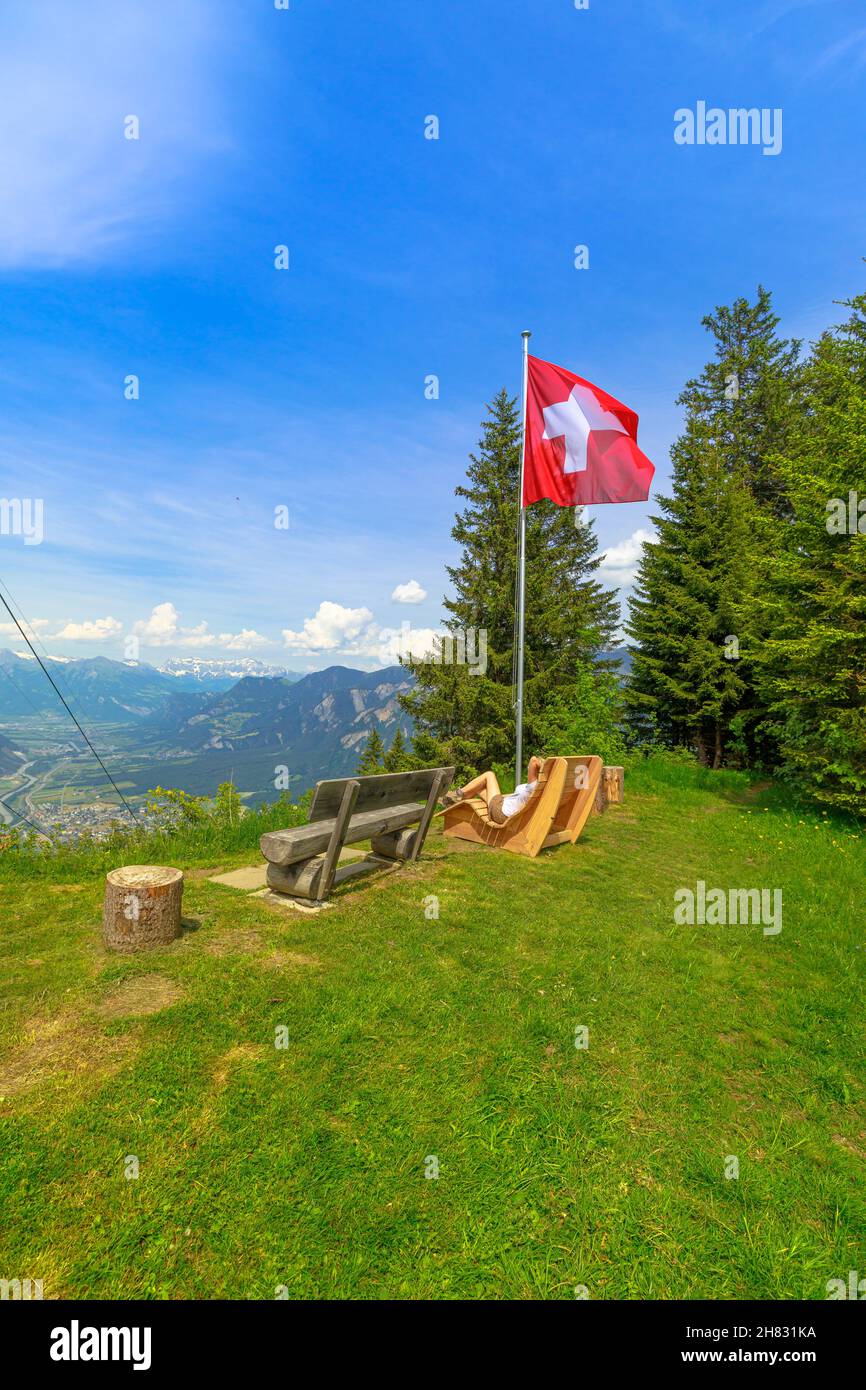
(142, 907)
(717, 754)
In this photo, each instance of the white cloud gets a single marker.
(32, 629)
(333, 628)
(619, 562)
(242, 641)
(407, 641)
(352, 632)
(163, 629)
(195, 636)
(409, 593)
(92, 630)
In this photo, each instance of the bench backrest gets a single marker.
(379, 792)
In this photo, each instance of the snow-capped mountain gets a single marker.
(208, 668)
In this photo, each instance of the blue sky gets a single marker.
(304, 388)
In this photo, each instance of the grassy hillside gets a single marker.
(411, 1037)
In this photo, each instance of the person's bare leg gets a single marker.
(485, 786)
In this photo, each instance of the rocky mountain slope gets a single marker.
(11, 758)
(317, 724)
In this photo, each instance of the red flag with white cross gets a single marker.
(581, 443)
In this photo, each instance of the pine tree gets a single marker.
(397, 759)
(373, 756)
(749, 393)
(811, 666)
(691, 617)
(466, 716)
(686, 674)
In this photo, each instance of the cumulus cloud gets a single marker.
(391, 643)
(164, 629)
(409, 593)
(32, 629)
(160, 629)
(333, 628)
(242, 641)
(91, 630)
(619, 562)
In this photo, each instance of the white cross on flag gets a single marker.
(581, 443)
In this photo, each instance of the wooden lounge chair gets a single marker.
(555, 814)
(392, 810)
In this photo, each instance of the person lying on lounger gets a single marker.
(499, 806)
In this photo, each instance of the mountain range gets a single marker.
(114, 691)
(221, 671)
(94, 686)
(315, 725)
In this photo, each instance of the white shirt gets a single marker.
(518, 798)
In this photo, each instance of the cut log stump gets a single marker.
(613, 782)
(611, 788)
(142, 907)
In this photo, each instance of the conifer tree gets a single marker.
(373, 756)
(686, 673)
(397, 758)
(465, 715)
(691, 618)
(749, 394)
(811, 664)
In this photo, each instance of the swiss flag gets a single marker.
(581, 444)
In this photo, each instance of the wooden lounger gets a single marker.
(555, 814)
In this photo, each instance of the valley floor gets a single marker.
(420, 1044)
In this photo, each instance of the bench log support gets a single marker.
(407, 844)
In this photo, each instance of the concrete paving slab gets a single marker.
(247, 879)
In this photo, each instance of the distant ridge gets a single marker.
(118, 691)
(319, 722)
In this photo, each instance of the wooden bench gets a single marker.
(392, 810)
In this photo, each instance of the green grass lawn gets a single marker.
(411, 1036)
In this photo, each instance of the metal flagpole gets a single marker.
(521, 576)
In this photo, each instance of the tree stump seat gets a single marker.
(142, 907)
